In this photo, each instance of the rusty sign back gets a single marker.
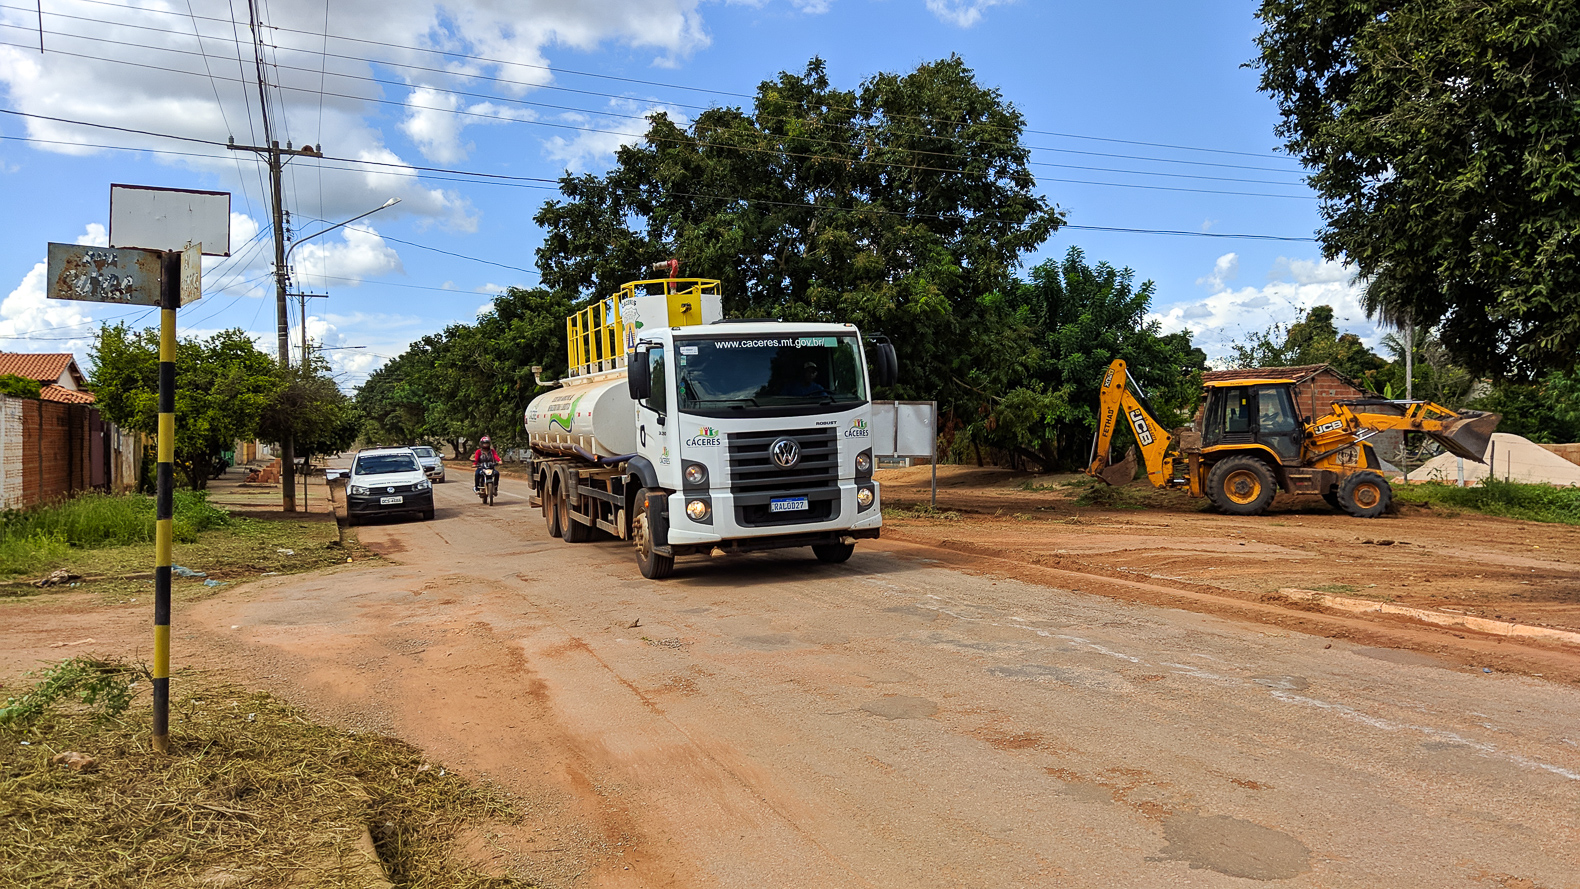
(105, 274)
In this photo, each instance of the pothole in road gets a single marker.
(901, 707)
(1233, 846)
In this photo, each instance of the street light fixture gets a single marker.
(300, 241)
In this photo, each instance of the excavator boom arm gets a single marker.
(1115, 400)
(1463, 433)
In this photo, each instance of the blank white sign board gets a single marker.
(169, 218)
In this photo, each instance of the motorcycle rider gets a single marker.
(485, 454)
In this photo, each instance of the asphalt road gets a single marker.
(769, 721)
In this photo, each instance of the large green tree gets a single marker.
(1077, 318)
(1313, 338)
(469, 380)
(899, 206)
(223, 385)
(1444, 139)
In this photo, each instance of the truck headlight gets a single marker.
(698, 510)
(864, 462)
(696, 474)
(422, 485)
(864, 497)
(358, 489)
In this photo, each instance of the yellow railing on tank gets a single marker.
(595, 336)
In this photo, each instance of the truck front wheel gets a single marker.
(1241, 486)
(655, 566)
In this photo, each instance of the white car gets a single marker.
(387, 481)
(431, 462)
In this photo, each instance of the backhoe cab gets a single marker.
(1248, 443)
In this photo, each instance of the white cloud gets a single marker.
(359, 253)
(962, 13)
(1229, 314)
(145, 80)
(594, 147)
(32, 322)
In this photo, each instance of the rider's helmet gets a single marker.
(484, 441)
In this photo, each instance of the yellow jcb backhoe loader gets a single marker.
(1248, 444)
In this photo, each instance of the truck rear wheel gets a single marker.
(833, 553)
(1365, 495)
(551, 510)
(654, 566)
(572, 530)
(1241, 486)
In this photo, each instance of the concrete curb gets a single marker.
(1441, 618)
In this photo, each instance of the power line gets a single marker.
(639, 81)
(762, 150)
(606, 113)
(505, 180)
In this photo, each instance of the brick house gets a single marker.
(58, 444)
(1317, 386)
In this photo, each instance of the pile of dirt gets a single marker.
(1511, 458)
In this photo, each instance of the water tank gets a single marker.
(595, 414)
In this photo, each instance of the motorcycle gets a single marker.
(489, 490)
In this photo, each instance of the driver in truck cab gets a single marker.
(485, 454)
(807, 384)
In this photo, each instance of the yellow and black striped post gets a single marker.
(169, 300)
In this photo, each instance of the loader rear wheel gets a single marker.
(654, 566)
(1365, 495)
(1241, 486)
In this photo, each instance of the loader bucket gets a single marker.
(1122, 472)
(1469, 435)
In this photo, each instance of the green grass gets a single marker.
(242, 549)
(32, 539)
(920, 511)
(1536, 503)
(252, 793)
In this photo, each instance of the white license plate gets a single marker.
(388, 500)
(787, 504)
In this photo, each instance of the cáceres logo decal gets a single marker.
(706, 437)
(858, 429)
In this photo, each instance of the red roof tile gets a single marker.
(66, 396)
(45, 368)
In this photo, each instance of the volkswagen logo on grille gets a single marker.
(786, 452)
(392, 490)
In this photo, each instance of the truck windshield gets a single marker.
(803, 373)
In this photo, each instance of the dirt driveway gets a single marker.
(894, 721)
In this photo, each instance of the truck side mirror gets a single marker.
(886, 366)
(638, 375)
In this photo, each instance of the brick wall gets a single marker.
(47, 452)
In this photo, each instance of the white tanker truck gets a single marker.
(685, 433)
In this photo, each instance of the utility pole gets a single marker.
(276, 157)
(303, 298)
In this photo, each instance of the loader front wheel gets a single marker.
(1365, 495)
(1241, 486)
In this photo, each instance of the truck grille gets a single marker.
(752, 471)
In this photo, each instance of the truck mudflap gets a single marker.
(778, 541)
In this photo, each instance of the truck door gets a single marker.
(652, 418)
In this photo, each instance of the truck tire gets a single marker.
(1365, 495)
(551, 510)
(833, 553)
(570, 529)
(1241, 486)
(654, 566)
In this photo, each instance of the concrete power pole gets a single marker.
(276, 157)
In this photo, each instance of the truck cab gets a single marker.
(711, 434)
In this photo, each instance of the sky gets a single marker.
(1140, 113)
